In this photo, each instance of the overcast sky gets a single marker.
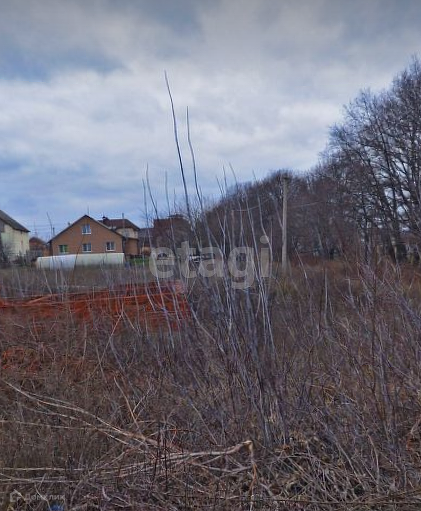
(85, 110)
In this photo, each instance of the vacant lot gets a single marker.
(296, 393)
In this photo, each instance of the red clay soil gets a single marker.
(155, 304)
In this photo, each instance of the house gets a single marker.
(170, 231)
(122, 225)
(37, 248)
(14, 239)
(145, 240)
(136, 239)
(118, 235)
(90, 236)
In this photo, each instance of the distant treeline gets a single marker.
(362, 199)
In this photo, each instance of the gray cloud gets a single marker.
(85, 109)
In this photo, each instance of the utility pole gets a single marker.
(284, 262)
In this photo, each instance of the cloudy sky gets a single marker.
(85, 113)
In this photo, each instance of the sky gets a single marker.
(85, 114)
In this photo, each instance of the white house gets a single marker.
(14, 238)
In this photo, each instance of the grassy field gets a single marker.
(17, 282)
(298, 393)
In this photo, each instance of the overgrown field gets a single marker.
(297, 393)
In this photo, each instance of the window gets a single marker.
(110, 246)
(86, 229)
(86, 247)
(63, 249)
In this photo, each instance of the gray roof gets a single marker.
(5, 218)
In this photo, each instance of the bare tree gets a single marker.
(377, 147)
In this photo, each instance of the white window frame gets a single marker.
(86, 229)
(110, 243)
(84, 245)
(65, 246)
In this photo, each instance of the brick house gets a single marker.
(90, 236)
(122, 225)
(37, 248)
(137, 239)
(171, 230)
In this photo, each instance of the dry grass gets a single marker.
(298, 393)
